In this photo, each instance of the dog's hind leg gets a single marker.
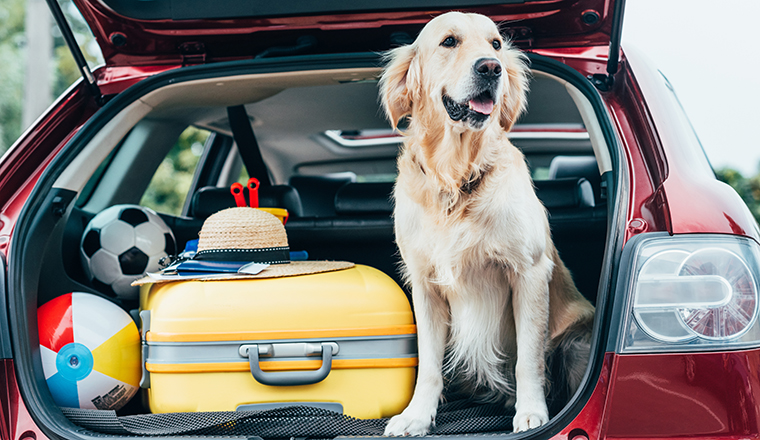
(530, 298)
(431, 312)
(573, 351)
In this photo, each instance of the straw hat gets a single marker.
(252, 235)
(243, 234)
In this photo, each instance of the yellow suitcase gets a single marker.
(338, 340)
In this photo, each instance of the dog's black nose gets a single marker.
(488, 67)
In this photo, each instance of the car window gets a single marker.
(171, 182)
(373, 150)
(379, 170)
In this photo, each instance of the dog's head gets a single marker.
(459, 69)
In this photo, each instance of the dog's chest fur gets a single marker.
(470, 252)
(499, 223)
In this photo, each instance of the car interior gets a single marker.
(329, 157)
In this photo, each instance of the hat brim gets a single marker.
(294, 268)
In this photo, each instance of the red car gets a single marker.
(668, 254)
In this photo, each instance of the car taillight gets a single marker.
(692, 293)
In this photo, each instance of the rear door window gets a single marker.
(170, 185)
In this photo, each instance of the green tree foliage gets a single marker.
(66, 70)
(173, 178)
(170, 184)
(13, 55)
(747, 187)
(11, 70)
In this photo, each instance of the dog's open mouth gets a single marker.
(482, 103)
(478, 108)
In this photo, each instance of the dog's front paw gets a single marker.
(525, 420)
(414, 423)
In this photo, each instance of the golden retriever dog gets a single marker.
(489, 290)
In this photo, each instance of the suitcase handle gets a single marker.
(290, 378)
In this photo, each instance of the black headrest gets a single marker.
(376, 198)
(571, 192)
(211, 199)
(364, 198)
(318, 192)
(577, 166)
(573, 166)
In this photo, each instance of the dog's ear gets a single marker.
(399, 84)
(514, 99)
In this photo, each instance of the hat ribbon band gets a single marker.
(272, 255)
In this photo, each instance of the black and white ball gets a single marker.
(120, 244)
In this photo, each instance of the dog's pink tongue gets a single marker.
(484, 107)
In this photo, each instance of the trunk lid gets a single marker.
(149, 32)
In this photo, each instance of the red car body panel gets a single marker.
(29, 156)
(636, 396)
(17, 423)
(684, 395)
(548, 23)
(114, 80)
(685, 176)
(588, 424)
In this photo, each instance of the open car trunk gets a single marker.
(307, 114)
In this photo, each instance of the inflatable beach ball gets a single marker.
(90, 351)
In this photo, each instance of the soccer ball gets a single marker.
(120, 244)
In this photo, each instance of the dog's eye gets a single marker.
(449, 42)
(496, 44)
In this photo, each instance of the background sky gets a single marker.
(709, 52)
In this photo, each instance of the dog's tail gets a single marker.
(566, 365)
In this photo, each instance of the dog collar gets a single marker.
(468, 186)
(471, 185)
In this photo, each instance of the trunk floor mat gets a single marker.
(458, 417)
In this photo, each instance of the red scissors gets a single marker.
(253, 193)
